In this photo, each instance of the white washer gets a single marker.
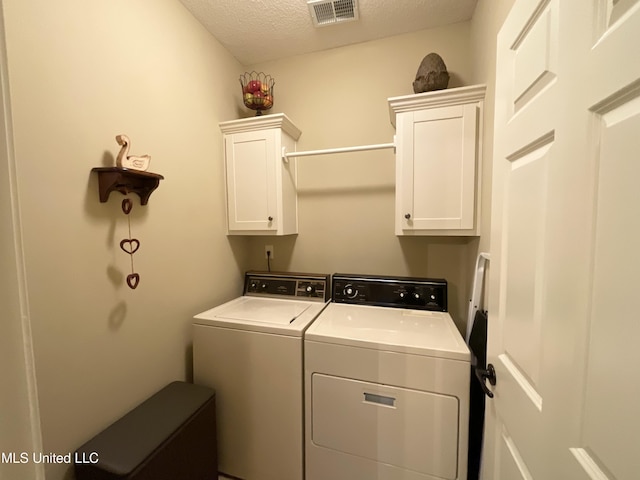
(250, 350)
(386, 383)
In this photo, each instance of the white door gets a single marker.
(564, 331)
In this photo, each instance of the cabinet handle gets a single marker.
(270, 219)
(407, 216)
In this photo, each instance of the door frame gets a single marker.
(19, 389)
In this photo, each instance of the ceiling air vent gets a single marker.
(329, 12)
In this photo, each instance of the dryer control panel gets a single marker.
(398, 292)
(304, 286)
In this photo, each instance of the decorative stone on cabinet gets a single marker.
(438, 161)
(261, 187)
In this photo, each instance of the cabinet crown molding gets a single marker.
(438, 98)
(262, 122)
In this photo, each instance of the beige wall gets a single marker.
(485, 25)
(81, 73)
(346, 202)
(487, 19)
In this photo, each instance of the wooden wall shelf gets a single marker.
(125, 181)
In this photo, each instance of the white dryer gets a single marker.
(251, 351)
(386, 383)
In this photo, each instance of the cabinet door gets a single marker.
(251, 180)
(438, 169)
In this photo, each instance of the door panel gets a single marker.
(511, 465)
(527, 92)
(607, 447)
(564, 251)
(520, 412)
(440, 195)
(346, 421)
(251, 180)
(525, 220)
(611, 400)
(535, 49)
(430, 181)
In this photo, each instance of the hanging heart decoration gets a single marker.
(132, 280)
(130, 245)
(127, 206)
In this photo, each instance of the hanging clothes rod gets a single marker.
(361, 148)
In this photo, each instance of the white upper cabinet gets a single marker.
(438, 161)
(261, 187)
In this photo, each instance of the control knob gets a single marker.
(310, 290)
(350, 291)
(410, 297)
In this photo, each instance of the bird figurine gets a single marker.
(132, 162)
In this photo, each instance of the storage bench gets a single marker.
(171, 435)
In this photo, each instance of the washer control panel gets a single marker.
(307, 286)
(399, 292)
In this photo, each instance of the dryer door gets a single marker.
(409, 429)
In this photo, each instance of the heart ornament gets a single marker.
(130, 245)
(127, 205)
(132, 280)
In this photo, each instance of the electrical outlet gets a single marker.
(269, 248)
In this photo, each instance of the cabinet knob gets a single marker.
(270, 219)
(407, 216)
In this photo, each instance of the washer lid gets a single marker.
(264, 310)
(417, 332)
(268, 315)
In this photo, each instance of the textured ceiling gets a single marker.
(256, 31)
